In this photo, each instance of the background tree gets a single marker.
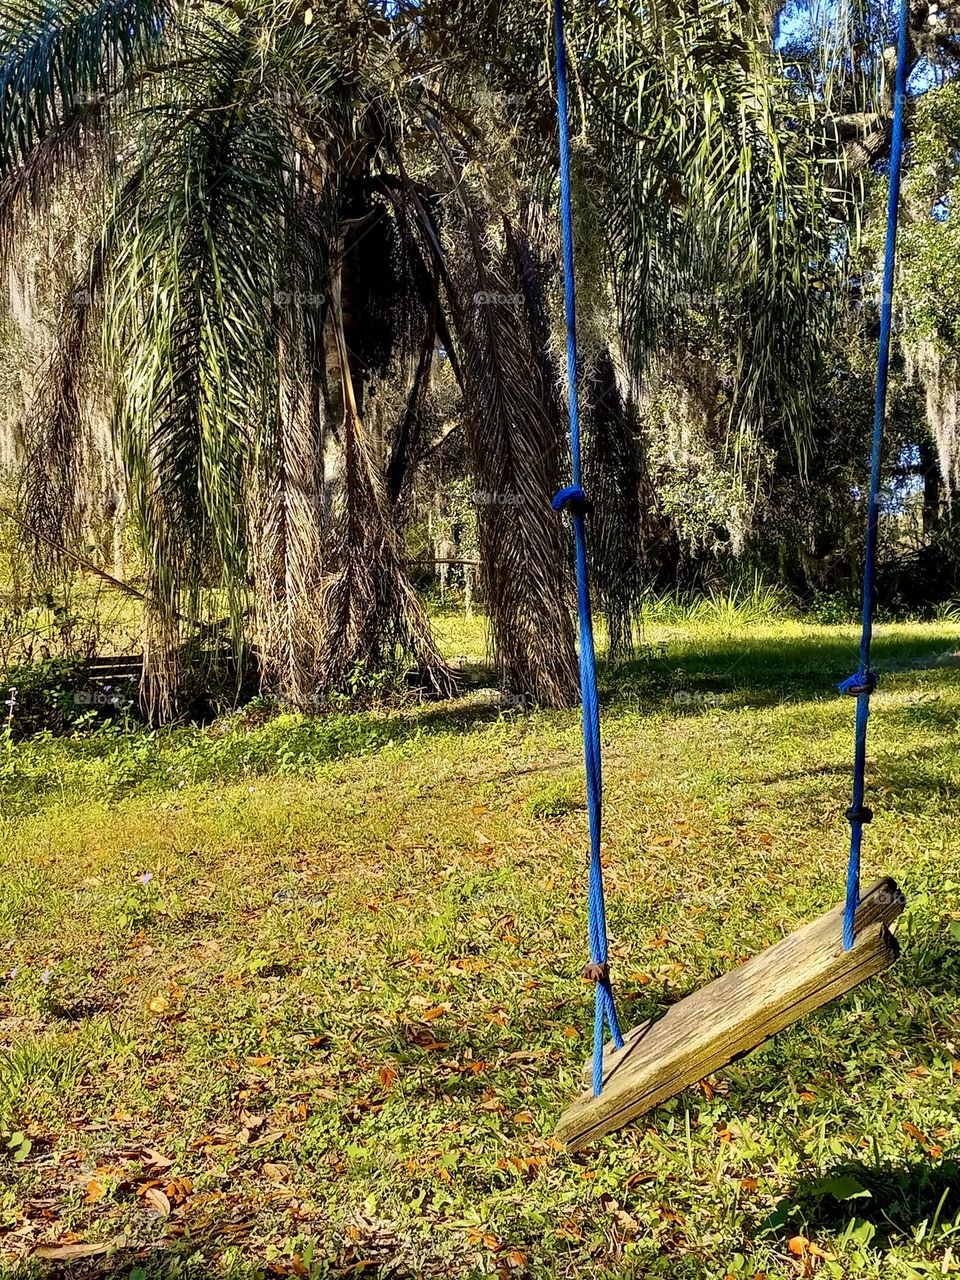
(295, 211)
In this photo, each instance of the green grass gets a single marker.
(313, 984)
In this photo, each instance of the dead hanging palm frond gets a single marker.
(411, 429)
(285, 561)
(58, 448)
(286, 482)
(427, 279)
(417, 280)
(162, 679)
(516, 444)
(29, 188)
(515, 429)
(371, 615)
(628, 532)
(390, 314)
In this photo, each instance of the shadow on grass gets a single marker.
(761, 670)
(754, 670)
(894, 1199)
(180, 1260)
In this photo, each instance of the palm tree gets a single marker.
(291, 211)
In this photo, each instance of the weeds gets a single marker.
(37, 1071)
(744, 602)
(555, 800)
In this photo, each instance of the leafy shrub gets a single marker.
(831, 609)
(39, 696)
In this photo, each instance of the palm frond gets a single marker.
(517, 447)
(721, 199)
(61, 59)
(189, 330)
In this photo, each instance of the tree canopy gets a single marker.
(300, 254)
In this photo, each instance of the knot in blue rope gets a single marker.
(573, 499)
(859, 683)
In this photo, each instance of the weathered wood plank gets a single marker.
(882, 903)
(735, 1013)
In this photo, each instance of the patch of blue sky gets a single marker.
(801, 24)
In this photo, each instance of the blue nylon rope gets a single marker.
(605, 1012)
(864, 681)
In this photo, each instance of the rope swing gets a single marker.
(816, 964)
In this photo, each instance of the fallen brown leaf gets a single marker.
(915, 1133)
(71, 1252)
(155, 1160)
(158, 1200)
(178, 1189)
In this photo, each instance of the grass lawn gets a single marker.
(302, 997)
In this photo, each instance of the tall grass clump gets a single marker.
(742, 602)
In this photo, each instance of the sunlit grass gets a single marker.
(330, 970)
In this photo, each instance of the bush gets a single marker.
(41, 696)
(831, 609)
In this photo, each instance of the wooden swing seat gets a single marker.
(734, 1014)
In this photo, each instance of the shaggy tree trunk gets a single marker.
(516, 442)
(371, 616)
